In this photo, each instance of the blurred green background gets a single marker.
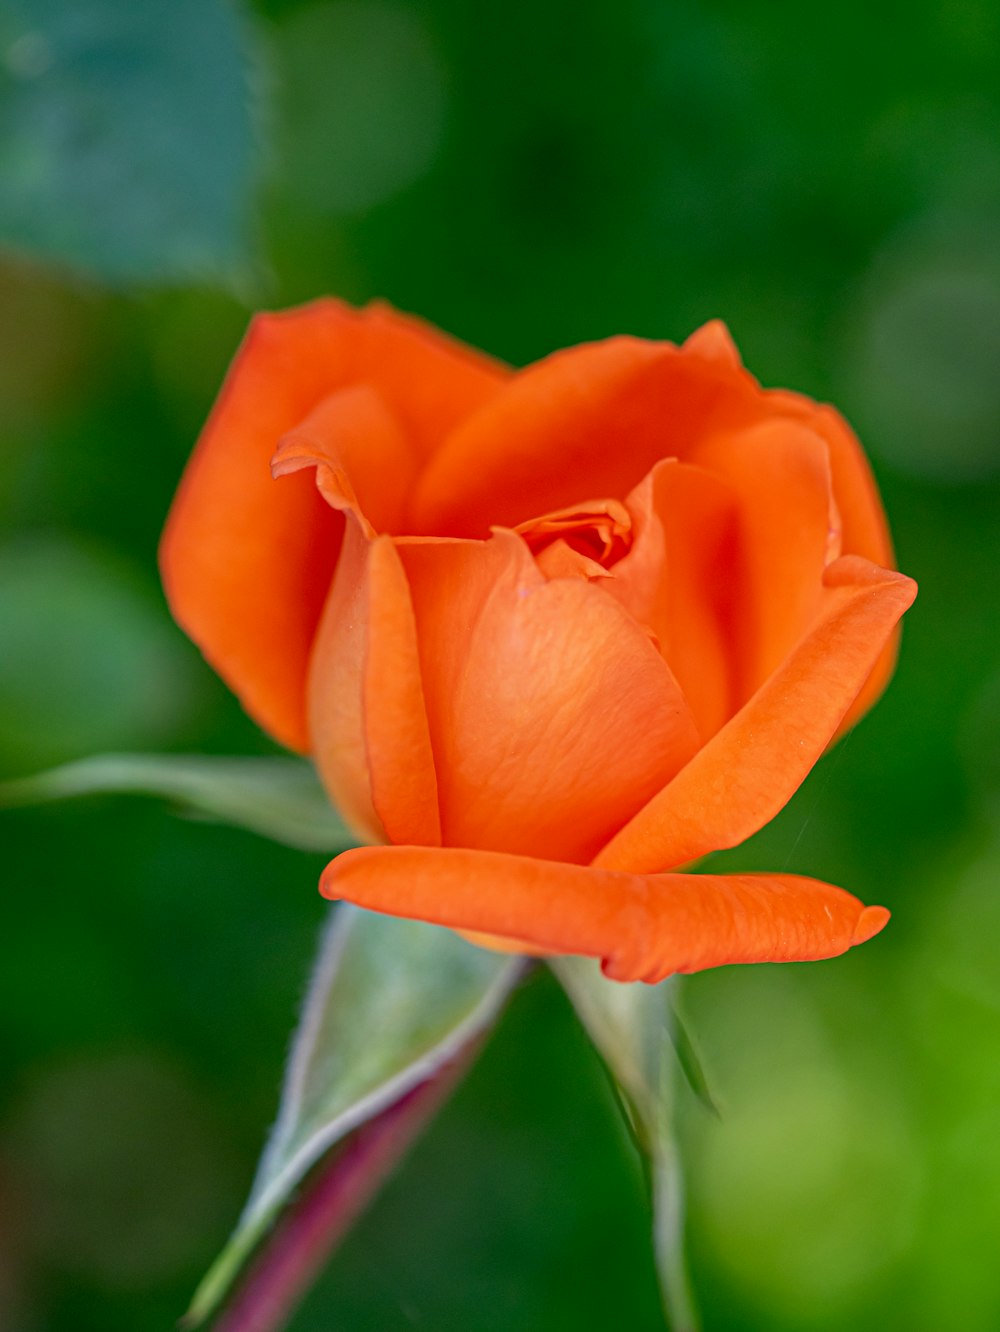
(826, 179)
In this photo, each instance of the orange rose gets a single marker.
(546, 634)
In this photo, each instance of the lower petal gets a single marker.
(642, 927)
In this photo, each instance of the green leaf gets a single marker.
(633, 1027)
(392, 1002)
(280, 798)
(87, 656)
(128, 147)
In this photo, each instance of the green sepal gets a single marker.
(634, 1028)
(280, 798)
(392, 1002)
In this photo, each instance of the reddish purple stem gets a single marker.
(298, 1246)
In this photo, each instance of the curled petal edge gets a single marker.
(641, 927)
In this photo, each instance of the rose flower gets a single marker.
(549, 636)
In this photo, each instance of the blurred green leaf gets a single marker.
(280, 798)
(392, 1002)
(632, 1025)
(88, 659)
(128, 143)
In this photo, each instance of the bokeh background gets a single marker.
(526, 175)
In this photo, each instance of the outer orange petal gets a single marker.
(585, 422)
(864, 527)
(552, 715)
(366, 705)
(865, 530)
(643, 927)
(751, 768)
(246, 563)
(431, 381)
(715, 342)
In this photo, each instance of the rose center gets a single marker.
(598, 533)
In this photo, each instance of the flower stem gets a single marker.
(668, 1239)
(298, 1246)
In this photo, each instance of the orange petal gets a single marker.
(715, 342)
(588, 421)
(678, 581)
(788, 531)
(863, 524)
(363, 459)
(560, 560)
(552, 715)
(643, 927)
(864, 530)
(602, 524)
(751, 768)
(366, 707)
(246, 563)
(431, 381)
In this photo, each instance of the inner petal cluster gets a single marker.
(585, 540)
